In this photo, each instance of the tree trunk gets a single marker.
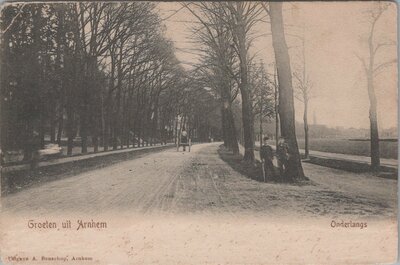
(53, 126)
(294, 171)
(60, 40)
(247, 115)
(70, 132)
(41, 129)
(229, 122)
(224, 126)
(373, 117)
(108, 118)
(95, 129)
(114, 134)
(60, 127)
(232, 136)
(261, 122)
(83, 130)
(139, 130)
(95, 140)
(176, 131)
(276, 109)
(96, 124)
(305, 120)
(102, 120)
(5, 105)
(375, 154)
(29, 141)
(106, 136)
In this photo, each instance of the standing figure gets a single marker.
(184, 138)
(282, 152)
(266, 155)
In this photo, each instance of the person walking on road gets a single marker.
(266, 155)
(184, 138)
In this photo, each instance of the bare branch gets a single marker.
(384, 65)
(362, 60)
(14, 18)
(383, 44)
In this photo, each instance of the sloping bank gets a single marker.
(16, 178)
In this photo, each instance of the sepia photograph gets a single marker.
(204, 132)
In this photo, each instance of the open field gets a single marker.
(345, 146)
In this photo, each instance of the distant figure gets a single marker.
(282, 153)
(266, 155)
(184, 138)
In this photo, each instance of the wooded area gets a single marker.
(104, 76)
(100, 71)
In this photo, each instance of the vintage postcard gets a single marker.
(145, 132)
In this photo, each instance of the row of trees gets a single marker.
(105, 72)
(100, 71)
(226, 31)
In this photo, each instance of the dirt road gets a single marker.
(199, 181)
(164, 204)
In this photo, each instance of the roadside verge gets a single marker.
(16, 178)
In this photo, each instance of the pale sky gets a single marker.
(333, 33)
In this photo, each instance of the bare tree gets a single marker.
(261, 92)
(294, 171)
(218, 63)
(371, 69)
(276, 105)
(243, 16)
(303, 92)
(239, 18)
(105, 68)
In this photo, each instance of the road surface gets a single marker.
(173, 207)
(200, 181)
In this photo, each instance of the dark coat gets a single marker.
(266, 152)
